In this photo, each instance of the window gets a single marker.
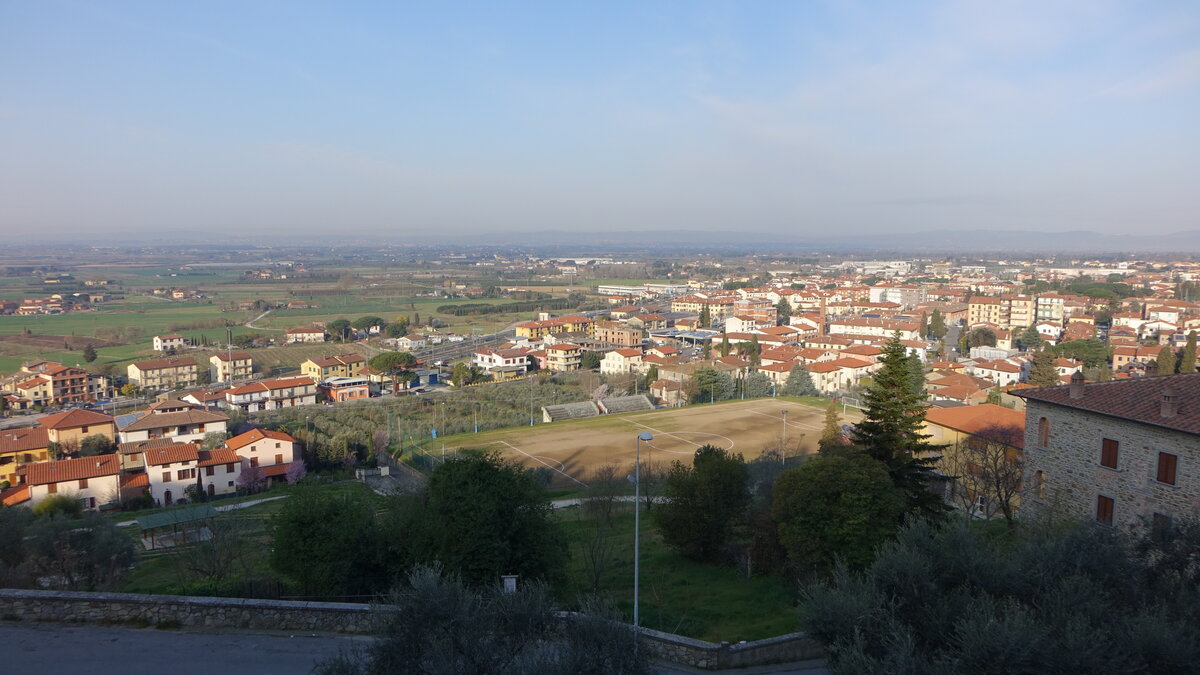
(166, 476)
(1043, 432)
(230, 484)
(82, 483)
(279, 459)
(1108, 453)
(277, 445)
(52, 488)
(1039, 484)
(228, 468)
(210, 470)
(1104, 510)
(253, 461)
(1166, 467)
(83, 430)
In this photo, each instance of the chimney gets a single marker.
(1077, 385)
(1170, 402)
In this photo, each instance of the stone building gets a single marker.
(1124, 452)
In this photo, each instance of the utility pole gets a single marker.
(783, 450)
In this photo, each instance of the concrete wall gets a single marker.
(338, 617)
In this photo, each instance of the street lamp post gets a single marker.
(783, 450)
(637, 522)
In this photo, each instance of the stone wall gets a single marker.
(186, 612)
(1074, 478)
(339, 617)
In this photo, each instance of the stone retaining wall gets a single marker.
(340, 617)
(182, 611)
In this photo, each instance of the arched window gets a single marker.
(1043, 432)
(1039, 485)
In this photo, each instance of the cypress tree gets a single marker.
(831, 441)
(1166, 361)
(1188, 363)
(892, 432)
(705, 317)
(725, 347)
(1042, 372)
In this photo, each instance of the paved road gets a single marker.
(56, 648)
(35, 649)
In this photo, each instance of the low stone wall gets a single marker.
(340, 617)
(187, 612)
(720, 655)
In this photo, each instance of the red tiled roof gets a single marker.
(629, 352)
(23, 440)
(135, 447)
(980, 419)
(14, 495)
(304, 331)
(176, 452)
(174, 419)
(71, 469)
(135, 480)
(1136, 399)
(74, 418)
(236, 356)
(157, 364)
(242, 440)
(273, 470)
(218, 456)
(268, 385)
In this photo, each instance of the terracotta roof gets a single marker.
(157, 364)
(629, 352)
(268, 385)
(1136, 399)
(980, 419)
(218, 456)
(564, 347)
(236, 356)
(71, 469)
(242, 440)
(135, 480)
(958, 392)
(74, 418)
(302, 331)
(135, 447)
(823, 367)
(274, 470)
(169, 454)
(337, 360)
(14, 495)
(174, 419)
(22, 440)
(209, 395)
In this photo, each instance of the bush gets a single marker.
(64, 505)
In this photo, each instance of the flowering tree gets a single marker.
(296, 472)
(251, 480)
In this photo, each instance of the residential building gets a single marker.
(548, 326)
(903, 295)
(563, 357)
(170, 470)
(272, 394)
(271, 452)
(619, 334)
(886, 328)
(69, 428)
(502, 362)
(343, 389)
(19, 447)
(177, 420)
(957, 429)
(164, 373)
(169, 342)
(230, 366)
(94, 481)
(621, 361)
(309, 334)
(321, 368)
(1123, 453)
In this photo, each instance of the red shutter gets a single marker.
(1108, 453)
(1166, 467)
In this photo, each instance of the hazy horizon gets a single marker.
(794, 118)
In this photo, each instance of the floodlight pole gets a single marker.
(637, 523)
(783, 450)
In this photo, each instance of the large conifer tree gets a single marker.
(1188, 363)
(1042, 372)
(892, 432)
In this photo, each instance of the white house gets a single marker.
(171, 341)
(178, 420)
(282, 392)
(621, 361)
(269, 451)
(170, 470)
(501, 360)
(310, 334)
(92, 480)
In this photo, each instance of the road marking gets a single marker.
(543, 463)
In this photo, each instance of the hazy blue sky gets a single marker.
(464, 117)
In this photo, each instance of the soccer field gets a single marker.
(574, 449)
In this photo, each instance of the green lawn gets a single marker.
(678, 595)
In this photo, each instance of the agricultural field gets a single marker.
(572, 450)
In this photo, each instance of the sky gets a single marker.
(397, 119)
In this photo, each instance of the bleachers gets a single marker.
(569, 411)
(625, 404)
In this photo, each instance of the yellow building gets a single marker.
(230, 366)
(563, 324)
(338, 365)
(19, 447)
(71, 427)
(163, 373)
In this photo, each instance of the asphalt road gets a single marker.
(35, 649)
(97, 650)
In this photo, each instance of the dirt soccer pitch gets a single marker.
(574, 449)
